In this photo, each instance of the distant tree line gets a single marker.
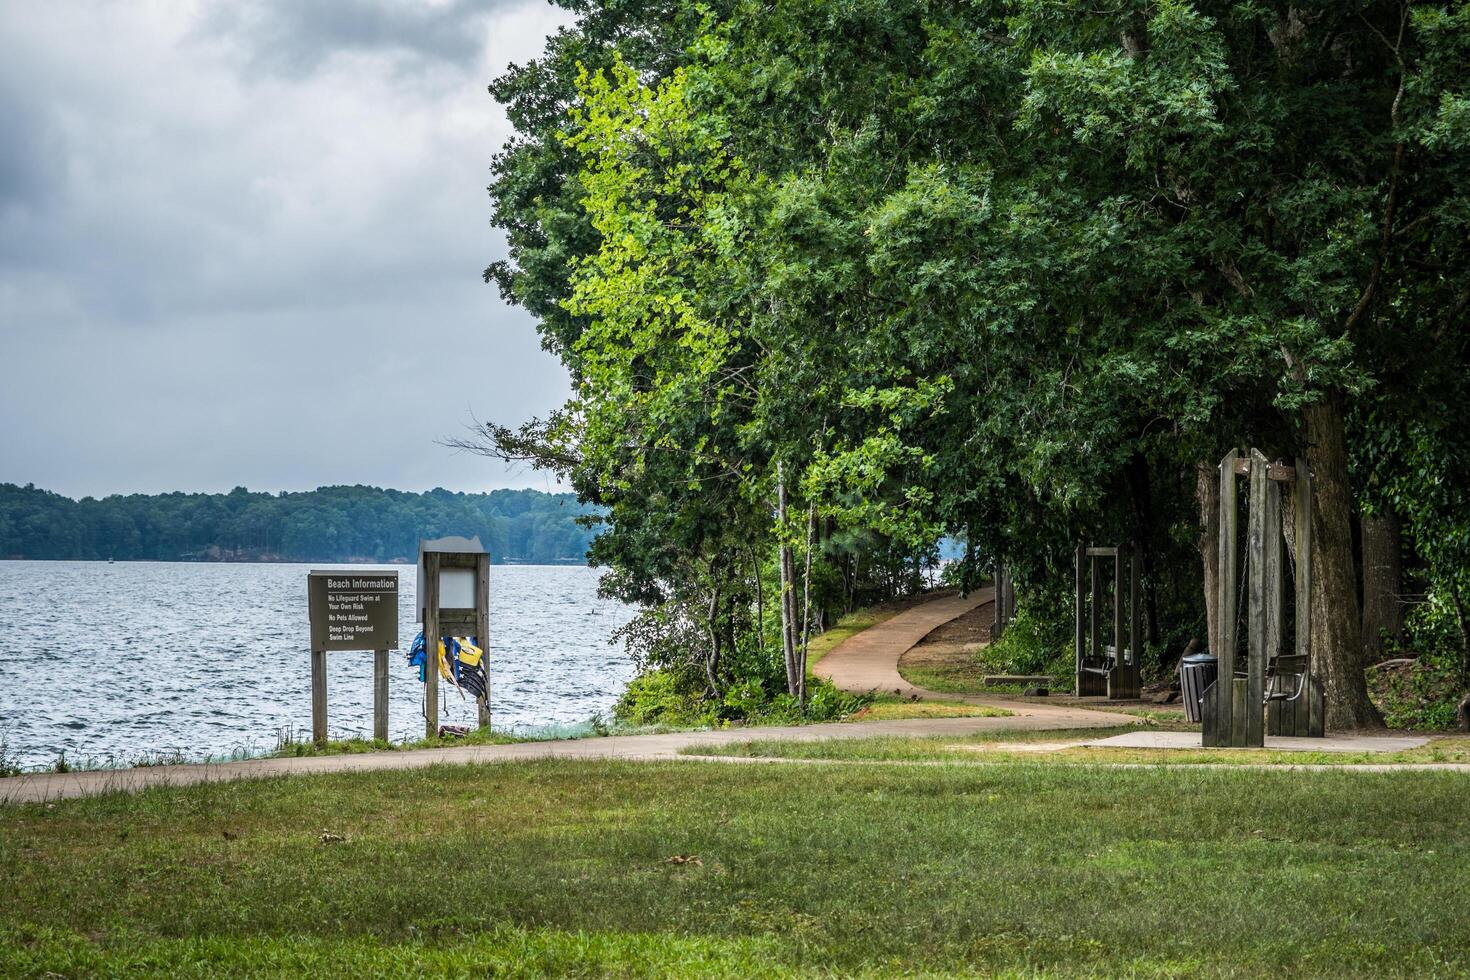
(356, 523)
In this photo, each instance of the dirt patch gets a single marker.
(959, 638)
(907, 602)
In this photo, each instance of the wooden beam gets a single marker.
(380, 695)
(430, 601)
(1225, 606)
(482, 630)
(319, 696)
(1277, 472)
(1117, 609)
(1239, 696)
(998, 607)
(1079, 620)
(1263, 543)
(1135, 615)
(1094, 610)
(1209, 710)
(1303, 531)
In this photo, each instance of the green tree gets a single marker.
(1011, 269)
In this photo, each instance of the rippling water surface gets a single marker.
(133, 658)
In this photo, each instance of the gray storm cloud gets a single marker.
(292, 37)
(242, 244)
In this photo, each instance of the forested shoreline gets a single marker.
(337, 524)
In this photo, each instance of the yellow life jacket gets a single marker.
(444, 670)
(469, 654)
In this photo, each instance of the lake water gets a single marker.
(121, 660)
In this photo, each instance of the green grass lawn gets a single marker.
(959, 677)
(891, 709)
(563, 868)
(898, 748)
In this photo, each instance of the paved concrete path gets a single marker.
(868, 663)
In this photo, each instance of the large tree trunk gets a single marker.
(1337, 648)
(1207, 494)
(1383, 613)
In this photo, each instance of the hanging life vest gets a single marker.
(461, 662)
(469, 666)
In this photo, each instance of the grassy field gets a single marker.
(957, 677)
(892, 709)
(680, 869)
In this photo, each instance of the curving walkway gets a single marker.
(868, 663)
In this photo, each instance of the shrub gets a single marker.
(1425, 693)
(825, 702)
(1037, 641)
(9, 761)
(655, 698)
(744, 700)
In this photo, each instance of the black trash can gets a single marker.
(1196, 673)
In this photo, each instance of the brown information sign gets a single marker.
(353, 610)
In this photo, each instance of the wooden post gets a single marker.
(1126, 679)
(1079, 625)
(380, 695)
(1303, 490)
(998, 623)
(1217, 722)
(1275, 583)
(319, 696)
(429, 602)
(1118, 608)
(1094, 609)
(482, 629)
(1264, 544)
(1135, 615)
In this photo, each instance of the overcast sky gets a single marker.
(241, 243)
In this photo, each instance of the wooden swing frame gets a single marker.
(1004, 611)
(1241, 707)
(1111, 671)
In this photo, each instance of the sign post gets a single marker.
(351, 610)
(454, 600)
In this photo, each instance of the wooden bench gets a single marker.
(1022, 679)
